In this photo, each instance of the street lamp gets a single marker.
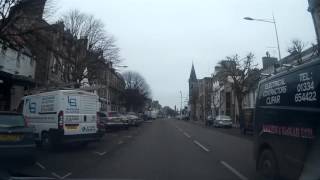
(273, 21)
(180, 104)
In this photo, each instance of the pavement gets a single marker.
(160, 149)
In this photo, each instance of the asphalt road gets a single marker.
(163, 149)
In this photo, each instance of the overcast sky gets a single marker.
(161, 38)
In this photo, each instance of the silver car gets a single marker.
(222, 121)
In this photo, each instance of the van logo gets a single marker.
(72, 101)
(32, 106)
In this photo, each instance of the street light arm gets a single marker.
(265, 20)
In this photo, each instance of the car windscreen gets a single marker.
(11, 120)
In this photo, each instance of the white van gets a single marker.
(63, 116)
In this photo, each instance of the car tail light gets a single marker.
(60, 120)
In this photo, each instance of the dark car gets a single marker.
(16, 138)
(287, 124)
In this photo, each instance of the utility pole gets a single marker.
(180, 104)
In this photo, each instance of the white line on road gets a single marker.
(187, 135)
(100, 153)
(56, 175)
(67, 175)
(120, 142)
(202, 146)
(40, 165)
(234, 171)
(61, 177)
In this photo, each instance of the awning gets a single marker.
(17, 79)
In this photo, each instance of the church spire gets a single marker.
(193, 76)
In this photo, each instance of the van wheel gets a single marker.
(46, 142)
(267, 165)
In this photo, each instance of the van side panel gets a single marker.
(287, 117)
(40, 111)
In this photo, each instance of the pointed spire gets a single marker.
(193, 76)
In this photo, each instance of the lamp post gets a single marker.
(273, 21)
(180, 104)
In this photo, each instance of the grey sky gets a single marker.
(161, 38)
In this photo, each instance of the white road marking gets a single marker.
(67, 175)
(234, 171)
(120, 142)
(187, 135)
(100, 153)
(56, 175)
(61, 177)
(129, 136)
(202, 146)
(40, 165)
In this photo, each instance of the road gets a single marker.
(162, 149)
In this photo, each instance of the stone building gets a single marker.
(193, 93)
(314, 8)
(17, 73)
(55, 58)
(204, 100)
(199, 96)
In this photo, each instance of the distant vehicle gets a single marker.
(222, 121)
(113, 119)
(286, 124)
(62, 116)
(134, 120)
(16, 138)
(209, 120)
(154, 115)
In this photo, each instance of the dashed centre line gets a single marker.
(100, 153)
(234, 171)
(187, 135)
(201, 146)
(40, 165)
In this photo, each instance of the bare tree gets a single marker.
(216, 100)
(83, 25)
(296, 48)
(16, 18)
(243, 73)
(137, 91)
(5, 8)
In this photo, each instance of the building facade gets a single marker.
(17, 74)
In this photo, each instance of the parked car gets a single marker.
(113, 119)
(209, 121)
(222, 121)
(134, 119)
(63, 116)
(126, 118)
(16, 138)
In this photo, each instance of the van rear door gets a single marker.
(80, 113)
